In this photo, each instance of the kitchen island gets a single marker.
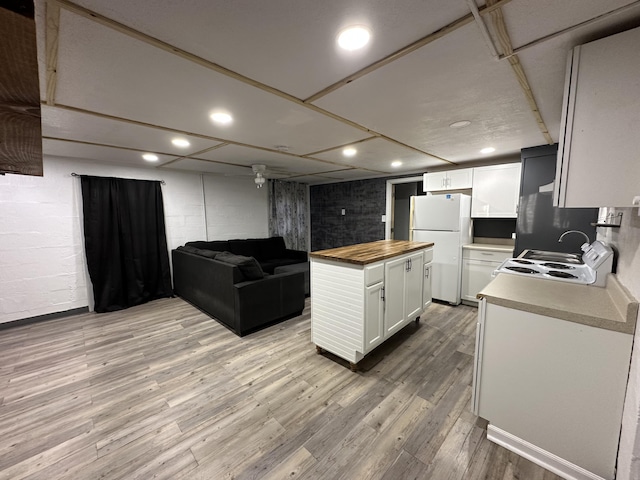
(550, 372)
(363, 294)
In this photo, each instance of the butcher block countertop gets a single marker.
(365, 253)
(611, 307)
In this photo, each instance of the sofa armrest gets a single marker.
(258, 302)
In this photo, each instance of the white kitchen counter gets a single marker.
(611, 307)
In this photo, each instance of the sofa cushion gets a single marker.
(199, 251)
(273, 247)
(249, 266)
(248, 248)
(216, 245)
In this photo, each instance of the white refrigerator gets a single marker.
(444, 220)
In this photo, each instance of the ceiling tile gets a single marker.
(529, 21)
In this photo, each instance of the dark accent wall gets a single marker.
(364, 202)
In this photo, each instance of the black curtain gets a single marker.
(125, 241)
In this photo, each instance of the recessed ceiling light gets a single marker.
(221, 118)
(349, 152)
(181, 142)
(150, 157)
(460, 124)
(396, 163)
(353, 38)
(488, 150)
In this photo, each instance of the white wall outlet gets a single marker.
(384, 218)
(344, 212)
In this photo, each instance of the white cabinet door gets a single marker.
(394, 276)
(434, 181)
(598, 153)
(426, 286)
(496, 191)
(476, 275)
(374, 316)
(449, 180)
(460, 179)
(413, 287)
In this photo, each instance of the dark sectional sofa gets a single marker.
(233, 281)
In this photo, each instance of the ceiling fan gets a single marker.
(259, 170)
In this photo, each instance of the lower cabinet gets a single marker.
(403, 291)
(477, 269)
(356, 308)
(552, 388)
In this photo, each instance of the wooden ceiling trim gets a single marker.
(432, 37)
(191, 156)
(192, 134)
(148, 39)
(337, 147)
(505, 42)
(51, 41)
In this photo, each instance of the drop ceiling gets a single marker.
(120, 78)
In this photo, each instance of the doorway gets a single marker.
(398, 209)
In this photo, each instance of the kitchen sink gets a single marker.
(559, 257)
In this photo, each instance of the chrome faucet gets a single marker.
(574, 231)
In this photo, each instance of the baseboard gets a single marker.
(43, 318)
(541, 457)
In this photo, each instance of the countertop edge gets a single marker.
(422, 246)
(621, 300)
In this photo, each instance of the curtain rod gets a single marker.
(74, 174)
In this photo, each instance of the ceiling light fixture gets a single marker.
(488, 150)
(396, 163)
(181, 142)
(460, 124)
(354, 38)
(349, 152)
(222, 118)
(150, 157)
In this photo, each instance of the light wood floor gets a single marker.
(163, 391)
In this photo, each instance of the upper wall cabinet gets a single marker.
(496, 190)
(599, 153)
(449, 180)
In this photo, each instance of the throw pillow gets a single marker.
(249, 266)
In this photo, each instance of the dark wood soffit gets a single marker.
(20, 126)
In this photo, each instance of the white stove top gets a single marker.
(598, 262)
(561, 272)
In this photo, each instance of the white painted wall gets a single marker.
(626, 240)
(42, 260)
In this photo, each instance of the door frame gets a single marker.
(390, 201)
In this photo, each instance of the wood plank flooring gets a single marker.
(163, 391)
